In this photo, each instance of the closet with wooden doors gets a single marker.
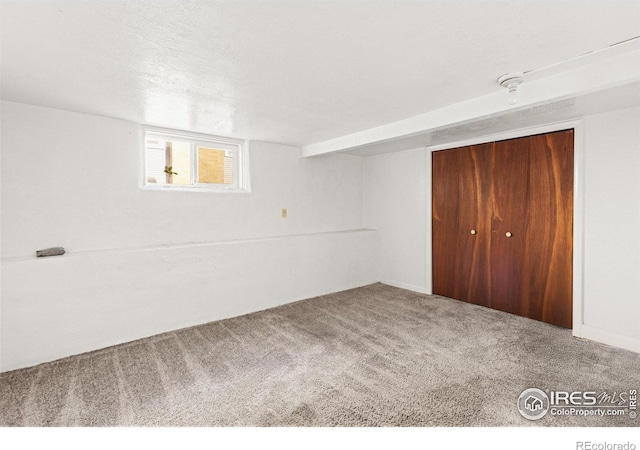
(503, 225)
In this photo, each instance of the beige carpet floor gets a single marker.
(372, 356)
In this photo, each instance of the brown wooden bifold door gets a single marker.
(460, 216)
(503, 225)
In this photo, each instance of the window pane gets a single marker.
(155, 160)
(215, 166)
(168, 162)
(179, 159)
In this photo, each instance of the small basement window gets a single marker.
(189, 161)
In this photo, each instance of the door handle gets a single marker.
(508, 234)
(473, 231)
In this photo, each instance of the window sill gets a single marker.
(212, 189)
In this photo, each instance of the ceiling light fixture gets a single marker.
(511, 81)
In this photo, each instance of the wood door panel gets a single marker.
(509, 190)
(547, 288)
(445, 222)
(473, 249)
(460, 193)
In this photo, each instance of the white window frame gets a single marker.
(237, 146)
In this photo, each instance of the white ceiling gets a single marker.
(294, 72)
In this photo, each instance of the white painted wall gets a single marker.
(72, 179)
(397, 195)
(141, 262)
(396, 205)
(612, 220)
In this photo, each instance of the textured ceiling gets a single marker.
(282, 71)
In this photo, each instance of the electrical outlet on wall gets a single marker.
(284, 213)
